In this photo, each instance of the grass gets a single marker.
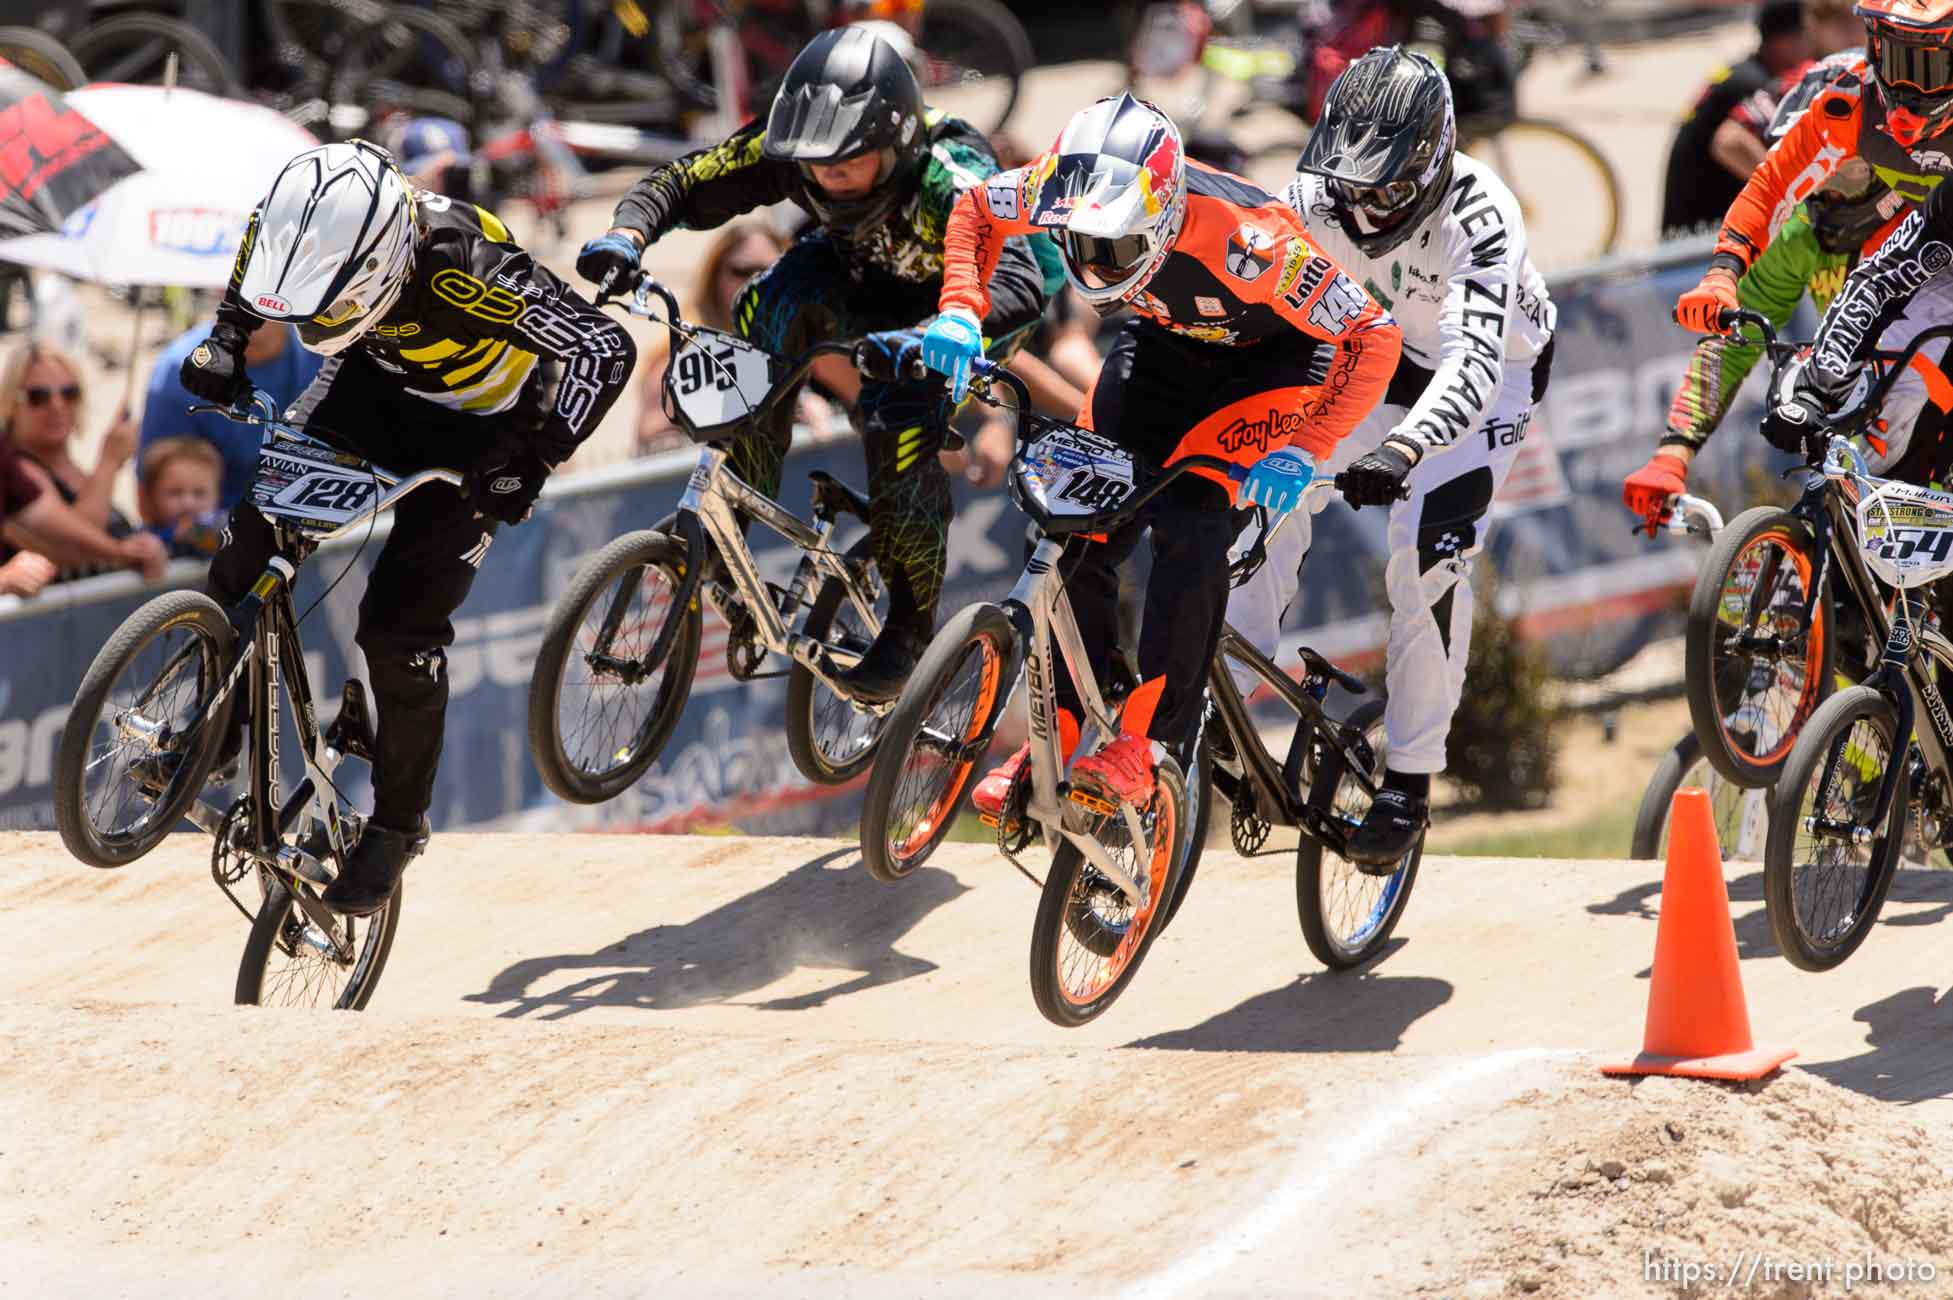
(1606, 832)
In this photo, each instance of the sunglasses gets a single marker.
(69, 393)
(743, 271)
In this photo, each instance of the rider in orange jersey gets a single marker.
(1890, 106)
(1246, 343)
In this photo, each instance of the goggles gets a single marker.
(1103, 263)
(1926, 68)
(340, 313)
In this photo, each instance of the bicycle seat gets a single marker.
(834, 498)
(1317, 666)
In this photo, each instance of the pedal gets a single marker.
(1091, 802)
(351, 732)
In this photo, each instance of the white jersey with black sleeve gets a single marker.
(1463, 289)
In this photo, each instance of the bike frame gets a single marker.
(708, 513)
(270, 653)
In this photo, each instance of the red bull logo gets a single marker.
(1156, 173)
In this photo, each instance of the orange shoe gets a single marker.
(1123, 769)
(988, 797)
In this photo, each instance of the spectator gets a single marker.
(276, 364)
(182, 479)
(55, 530)
(742, 250)
(429, 150)
(1720, 141)
(41, 407)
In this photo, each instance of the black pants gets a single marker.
(1184, 606)
(422, 575)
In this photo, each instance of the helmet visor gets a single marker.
(1923, 67)
(1104, 263)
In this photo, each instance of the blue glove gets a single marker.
(609, 260)
(1276, 481)
(888, 355)
(953, 340)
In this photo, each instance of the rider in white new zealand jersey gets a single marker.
(1438, 239)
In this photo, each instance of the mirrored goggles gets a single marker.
(1923, 67)
(1103, 263)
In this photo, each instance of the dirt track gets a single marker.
(722, 1067)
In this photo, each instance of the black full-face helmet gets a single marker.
(1384, 146)
(847, 94)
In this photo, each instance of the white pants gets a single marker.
(1432, 537)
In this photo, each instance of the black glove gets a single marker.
(1377, 479)
(214, 370)
(609, 261)
(508, 492)
(1791, 426)
(890, 356)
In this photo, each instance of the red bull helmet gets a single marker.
(1113, 190)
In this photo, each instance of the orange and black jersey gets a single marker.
(482, 330)
(1242, 271)
(1845, 119)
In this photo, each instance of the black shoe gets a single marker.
(373, 870)
(885, 669)
(1389, 831)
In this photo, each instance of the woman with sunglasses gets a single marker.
(1438, 239)
(41, 408)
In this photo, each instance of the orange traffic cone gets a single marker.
(1698, 1021)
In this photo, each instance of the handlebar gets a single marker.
(260, 408)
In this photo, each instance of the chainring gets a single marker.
(1247, 827)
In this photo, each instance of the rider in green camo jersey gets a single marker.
(1820, 242)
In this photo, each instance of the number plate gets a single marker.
(313, 486)
(1906, 534)
(716, 379)
(1074, 472)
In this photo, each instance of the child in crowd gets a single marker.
(181, 482)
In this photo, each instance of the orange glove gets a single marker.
(1699, 307)
(1646, 491)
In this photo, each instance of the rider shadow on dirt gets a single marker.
(1322, 1011)
(824, 914)
(1909, 1054)
(1753, 937)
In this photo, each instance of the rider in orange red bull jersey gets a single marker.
(1891, 106)
(1246, 343)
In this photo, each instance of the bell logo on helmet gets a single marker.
(272, 302)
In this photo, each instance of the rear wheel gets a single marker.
(412, 61)
(973, 55)
(1089, 937)
(598, 715)
(1348, 915)
(933, 738)
(139, 740)
(1742, 816)
(1823, 883)
(1754, 672)
(289, 962)
(36, 53)
(1567, 190)
(829, 739)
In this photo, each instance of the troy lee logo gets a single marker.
(1261, 433)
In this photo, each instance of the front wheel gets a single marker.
(1089, 937)
(1347, 915)
(289, 962)
(1755, 673)
(938, 729)
(1823, 884)
(829, 739)
(599, 712)
(140, 739)
(1742, 816)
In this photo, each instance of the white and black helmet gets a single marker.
(334, 243)
(1384, 146)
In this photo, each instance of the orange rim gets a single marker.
(952, 790)
(1813, 652)
(1114, 964)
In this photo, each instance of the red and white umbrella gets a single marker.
(205, 164)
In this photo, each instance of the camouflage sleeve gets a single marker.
(960, 159)
(707, 187)
(1773, 286)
